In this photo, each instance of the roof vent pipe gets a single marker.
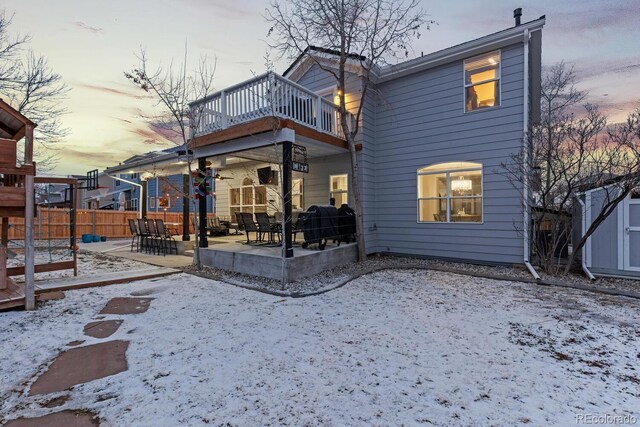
(517, 13)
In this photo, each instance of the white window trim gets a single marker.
(332, 192)
(465, 85)
(253, 204)
(133, 204)
(301, 193)
(448, 197)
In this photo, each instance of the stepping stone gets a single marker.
(82, 364)
(126, 306)
(58, 419)
(102, 329)
(48, 296)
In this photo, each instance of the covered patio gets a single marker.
(271, 147)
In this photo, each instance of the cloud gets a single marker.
(156, 134)
(113, 91)
(87, 27)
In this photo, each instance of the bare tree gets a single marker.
(363, 34)
(174, 88)
(571, 149)
(34, 89)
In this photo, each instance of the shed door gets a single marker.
(631, 233)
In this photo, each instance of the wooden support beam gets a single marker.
(29, 251)
(4, 282)
(42, 268)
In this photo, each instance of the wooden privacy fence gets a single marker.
(53, 223)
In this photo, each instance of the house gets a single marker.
(152, 182)
(614, 247)
(100, 197)
(430, 148)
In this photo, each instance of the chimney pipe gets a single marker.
(517, 13)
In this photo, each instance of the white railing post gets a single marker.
(223, 110)
(319, 113)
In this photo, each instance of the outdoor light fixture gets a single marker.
(461, 184)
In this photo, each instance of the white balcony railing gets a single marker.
(267, 95)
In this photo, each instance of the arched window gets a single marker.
(450, 192)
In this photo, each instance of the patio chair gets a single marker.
(249, 226)
(298, 225)
(145, 235)
(154, 237)
(167, 240)
(216, 228)
(265, 227)
(135, 234)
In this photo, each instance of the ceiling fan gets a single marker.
(218, 177)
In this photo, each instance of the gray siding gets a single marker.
(316, 79)
(420, 121)
(604, 241)
(315, 183)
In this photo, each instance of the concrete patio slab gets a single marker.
(126, 306)
(82, 364)
(102, 328)
(122, 249)
(58, 419)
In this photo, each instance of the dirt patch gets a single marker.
(127, 306)
(102, 329)
(48, 296)
(58, 419)
(81, 365)
(56, 401)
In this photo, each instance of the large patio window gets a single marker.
(482, 81)
(450, 192)
(248, 198)
(339, 189)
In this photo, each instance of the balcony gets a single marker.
(267, 95)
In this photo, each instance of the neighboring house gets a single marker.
(59, 196)
(431, 145)
(159, 175)
(101, 197)
(614, 248)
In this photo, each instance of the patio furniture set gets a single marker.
(152, 236)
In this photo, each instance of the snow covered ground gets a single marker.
(391, 348)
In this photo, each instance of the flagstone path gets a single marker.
(81, 364)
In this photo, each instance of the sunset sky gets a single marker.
(91, 43)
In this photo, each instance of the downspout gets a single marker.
(583, 226)
(525, 161)
(137, 185)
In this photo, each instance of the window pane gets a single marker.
(433, 185)
(247, 195)
(234, 196)
(261, 195)
(466, 183)
(483, 95)
(479, 64)
(467, 209)
(432, 210)
(339, 182)
(296, 202)
(341, 198)
(482, 75)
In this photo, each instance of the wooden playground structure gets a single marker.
(17, 200)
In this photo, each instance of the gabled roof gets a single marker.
(304, 54)
(12, 122)
(491, 41)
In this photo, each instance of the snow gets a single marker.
(390, 348)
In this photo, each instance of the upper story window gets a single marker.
(482, 81)
(450, 192)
